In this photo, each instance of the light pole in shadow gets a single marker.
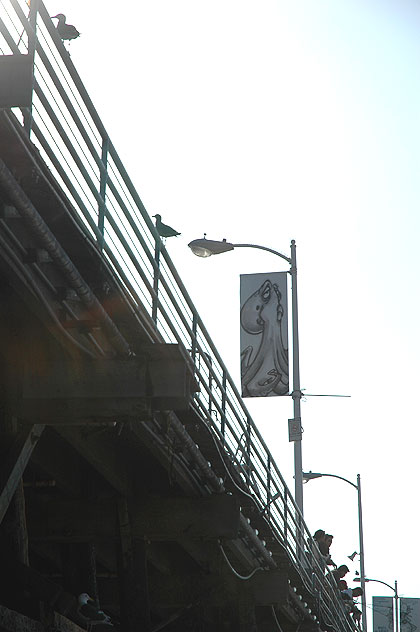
(396, 597)
(307, 476)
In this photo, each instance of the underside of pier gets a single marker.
(111, 484)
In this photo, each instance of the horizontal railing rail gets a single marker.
(64, 125)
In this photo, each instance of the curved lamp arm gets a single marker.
(307, 476)
(274, 252)
(379, 581)
(207, 247)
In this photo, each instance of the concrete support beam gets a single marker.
(265, 588)
(215, 516)
(63, 391)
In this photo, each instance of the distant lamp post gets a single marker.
(307, 476)
(206, 248)
(394, 589)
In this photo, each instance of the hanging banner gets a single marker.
(409, 615)
(383, 614)
(264, 339)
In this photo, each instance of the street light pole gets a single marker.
(297, 393)
(307, 476)
(361, 553)
(396, 597)
(208, 247)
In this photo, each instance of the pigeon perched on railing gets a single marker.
(163, 229)
(65, 31)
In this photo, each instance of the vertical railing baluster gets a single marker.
(156, 274)
(196, 366)
(102, 192)
(210, 382)
(194, 338)
(268, 495)
(32, 35)
(248, 450)
(300, 538)
(224, 397)
(286, 509)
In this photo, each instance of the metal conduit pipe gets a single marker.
(25, 207)
(202, 465)
(245, 527)
(249, 532)
(217, 485)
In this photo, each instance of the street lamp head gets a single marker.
(307, 476)
(207, 247)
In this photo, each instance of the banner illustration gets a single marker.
(264, 337)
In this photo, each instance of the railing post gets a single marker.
(33, 12)
(210, 384)
(156, 279)
(285, 512)
(300, 539)
(224, 398)
(248, 451)
(268, 495)
(194, 338)
(102, 192)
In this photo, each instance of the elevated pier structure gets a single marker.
(130, 467)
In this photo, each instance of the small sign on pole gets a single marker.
(295, 429)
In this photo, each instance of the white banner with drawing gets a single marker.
(264, 335)
(409, 614)
(383, 614)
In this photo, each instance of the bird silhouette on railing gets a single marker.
(65, 31)
(164, 230)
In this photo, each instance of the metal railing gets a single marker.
(66, 128)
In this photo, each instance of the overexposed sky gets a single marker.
(271, 120)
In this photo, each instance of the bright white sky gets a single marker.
(273, 120)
